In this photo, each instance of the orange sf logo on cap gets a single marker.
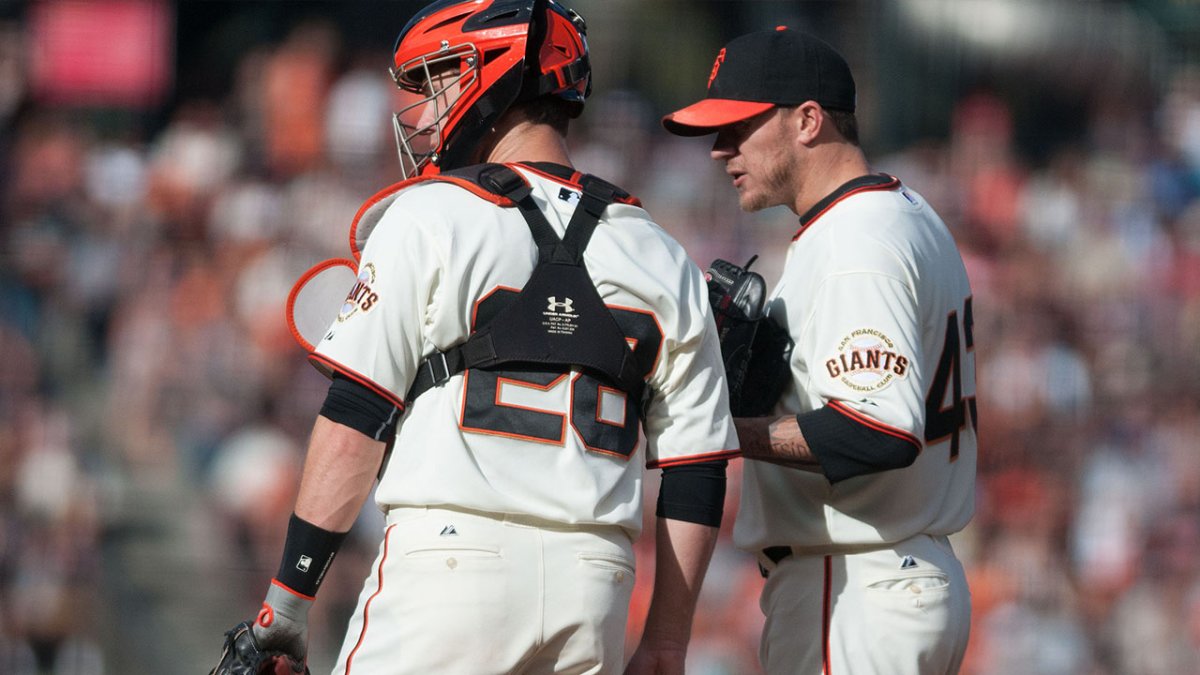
(716, 67)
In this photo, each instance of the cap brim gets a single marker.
(710, 114)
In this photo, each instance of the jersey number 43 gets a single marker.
(950, 399)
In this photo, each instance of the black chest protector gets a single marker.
(558, 319)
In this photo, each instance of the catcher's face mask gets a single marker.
(430, 90)
(461, 64)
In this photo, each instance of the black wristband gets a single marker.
(307, 554)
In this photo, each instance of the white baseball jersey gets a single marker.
(557, 446)
(876, 298)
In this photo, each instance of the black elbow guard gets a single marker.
(694, 493)
(846, 447)
(351, 404)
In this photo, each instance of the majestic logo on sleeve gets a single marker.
(361, 297)
(866, 361)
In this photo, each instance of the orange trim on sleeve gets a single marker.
(324, 363)
(875, 424)
(694, 459)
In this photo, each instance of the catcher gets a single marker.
(528, 341)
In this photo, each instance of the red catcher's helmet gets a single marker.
(463, 63)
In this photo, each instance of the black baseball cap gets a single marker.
(760, 70)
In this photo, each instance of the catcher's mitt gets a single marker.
(242, 656)
(753, 347)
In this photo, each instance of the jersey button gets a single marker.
(451, 563)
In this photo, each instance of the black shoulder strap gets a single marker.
(501, 180)
(597, 195)
(596, 343)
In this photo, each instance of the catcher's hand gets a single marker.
(242, 656)
(737, 296)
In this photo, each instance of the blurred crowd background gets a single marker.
(167, 170)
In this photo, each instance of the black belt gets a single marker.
(777, 553)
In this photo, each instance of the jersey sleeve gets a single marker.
(688, 418)
(377, 339)
(862, 347)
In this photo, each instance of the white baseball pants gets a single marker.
(460, 592)
(905, 610)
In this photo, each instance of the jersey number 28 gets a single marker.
(484, 410)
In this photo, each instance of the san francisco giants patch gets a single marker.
(866, 361)
(361, 297)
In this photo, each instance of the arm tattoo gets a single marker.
(775, 440)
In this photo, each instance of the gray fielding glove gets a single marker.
(275, 644)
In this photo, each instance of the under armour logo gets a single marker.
(567, 306)
(449, 531)
(304, 563)
(908, 563)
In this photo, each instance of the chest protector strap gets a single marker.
(558, 318)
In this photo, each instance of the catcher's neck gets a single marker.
(518, 140)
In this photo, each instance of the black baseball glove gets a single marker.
(769, 370)
(737, 296)
(243, 656)
(755, 350)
